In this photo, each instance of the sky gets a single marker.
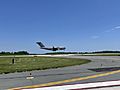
(79, 25)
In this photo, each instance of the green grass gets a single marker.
(36, 63)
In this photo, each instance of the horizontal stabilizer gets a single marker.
(40, 44)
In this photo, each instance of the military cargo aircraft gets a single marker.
(50, 48)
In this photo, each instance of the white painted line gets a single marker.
(80, 86)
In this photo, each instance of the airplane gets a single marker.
(51, 48)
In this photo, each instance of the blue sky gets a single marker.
(79, 25)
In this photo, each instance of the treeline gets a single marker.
(83, 52)
(106, 52)
(62, 53)
(14, 53)
(26, 53)
(68, 53)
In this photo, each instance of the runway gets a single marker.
(86, 73)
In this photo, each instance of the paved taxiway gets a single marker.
(14, 80)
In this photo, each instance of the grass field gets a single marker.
(36, 63)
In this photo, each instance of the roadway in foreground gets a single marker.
(106, 63)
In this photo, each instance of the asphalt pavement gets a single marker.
(99, 65)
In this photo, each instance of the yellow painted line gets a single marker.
(67, 81)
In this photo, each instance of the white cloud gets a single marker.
(95, 37)
(113, 29)
(105, 32)
(117, 27)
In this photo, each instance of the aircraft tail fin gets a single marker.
(40, 44)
